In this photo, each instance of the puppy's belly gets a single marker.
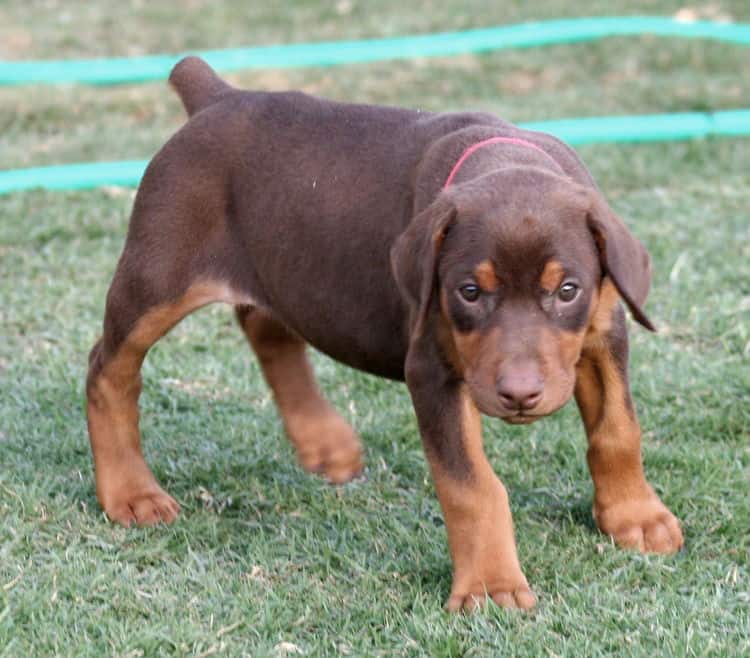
(376, 349)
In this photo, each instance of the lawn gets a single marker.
(267, 560)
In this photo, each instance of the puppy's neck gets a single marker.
(509, 149)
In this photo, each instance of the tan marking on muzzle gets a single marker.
(559, 351)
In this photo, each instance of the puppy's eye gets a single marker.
(568, 292)
(470, 292)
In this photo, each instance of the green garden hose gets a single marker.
(644, 128)
(329, 53)
(574, 131)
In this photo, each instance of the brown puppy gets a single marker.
(475, 260)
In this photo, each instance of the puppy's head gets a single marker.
(510, 274)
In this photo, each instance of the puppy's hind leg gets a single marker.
(133, 322)
(167, 270)
(324, 441)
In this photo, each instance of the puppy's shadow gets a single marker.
(544, 506)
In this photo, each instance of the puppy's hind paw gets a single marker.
(146, 508)
(329, 446)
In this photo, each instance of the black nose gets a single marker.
(520, 390)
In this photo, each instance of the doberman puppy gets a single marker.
(472, 259)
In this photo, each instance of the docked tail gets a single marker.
(197, 84)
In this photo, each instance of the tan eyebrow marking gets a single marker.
(552, 275)
(485, 275)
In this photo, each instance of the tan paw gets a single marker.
(642, 524)
(329, 446)
(145, 508)
(505, 596)
(130, 494)
(508, 589)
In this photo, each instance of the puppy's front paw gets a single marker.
(508, 589)
(644, 524)
(507, 593)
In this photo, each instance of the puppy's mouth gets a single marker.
(518, 417)
(489, 406)
(521, 418)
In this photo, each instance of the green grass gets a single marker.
(264, 554)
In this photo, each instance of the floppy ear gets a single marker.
(623, 258)
(414, 258)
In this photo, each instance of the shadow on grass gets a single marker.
(550, 508)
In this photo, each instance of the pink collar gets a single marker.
(486, 142)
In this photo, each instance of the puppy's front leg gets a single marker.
(474, 501)
(625, 505)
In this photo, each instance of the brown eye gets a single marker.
(470, 292)
(568, 292)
